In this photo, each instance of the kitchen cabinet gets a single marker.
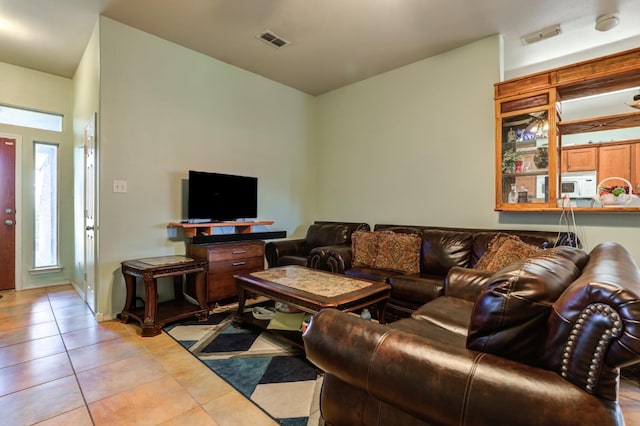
(614, 160)
(577, 159)
(528, 118)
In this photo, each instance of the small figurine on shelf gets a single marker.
(523, 195)
(513, 194)
(509, 158)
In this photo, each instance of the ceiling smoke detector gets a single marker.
(607, 22)
(272, 39)
(542, 34)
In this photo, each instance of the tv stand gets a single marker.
(193, 229)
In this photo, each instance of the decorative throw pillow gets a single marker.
(503, 250)
(509, 318)
(364, 249)
(398, 252)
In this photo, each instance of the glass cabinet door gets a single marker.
(525, 158)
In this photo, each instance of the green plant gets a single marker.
(509, 158)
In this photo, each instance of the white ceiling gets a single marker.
(333, 42)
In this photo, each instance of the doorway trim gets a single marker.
(18, 208)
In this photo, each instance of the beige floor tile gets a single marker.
(76, 323)
(66, 302)
(20, 321)
(24, 308)
(156, 343)
(234, 409)
(91, 336)
(78, 417)
(202, 383)
(71, 311)
(33, 349)
(31, 373)
(104, 353)
(148, 404)
(31, 332)
(111, 379)
(175, 358)
(195, 416)
(41, 402)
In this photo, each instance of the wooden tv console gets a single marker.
(193, 229)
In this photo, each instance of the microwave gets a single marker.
(579, 184)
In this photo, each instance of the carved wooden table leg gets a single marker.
(149, 326)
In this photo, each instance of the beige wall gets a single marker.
(45, 92)
(416, 146)
(164, 110)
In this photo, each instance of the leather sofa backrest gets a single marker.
(442, 250)
(509, 318)
(353, 226)
(319, 235)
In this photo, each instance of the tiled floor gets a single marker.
(59, 367)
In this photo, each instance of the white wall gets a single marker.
(164, 110)
(30, 89)
(86, 101)
(415, 146)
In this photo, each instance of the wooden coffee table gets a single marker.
(311, 290)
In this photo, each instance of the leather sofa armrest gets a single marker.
(274, 250)
(465, 283)
(318, 256)
(339, 259)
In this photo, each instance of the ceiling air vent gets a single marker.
(272, 39)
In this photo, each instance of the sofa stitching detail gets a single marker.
(467, 388)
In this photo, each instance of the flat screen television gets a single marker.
(217, 197)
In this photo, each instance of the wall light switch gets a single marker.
(119, 186)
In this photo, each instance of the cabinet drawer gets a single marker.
(219, 252)
(237, 265)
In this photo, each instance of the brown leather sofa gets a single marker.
(311, 250)
(442, 249)
(540, 342)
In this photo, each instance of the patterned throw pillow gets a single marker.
(503, 250)
(364, 249)
(398, 252)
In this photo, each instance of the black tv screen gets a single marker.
(219, 197)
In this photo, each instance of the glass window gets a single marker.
(46, 205)
(28, 118)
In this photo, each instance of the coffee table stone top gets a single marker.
(312, 281)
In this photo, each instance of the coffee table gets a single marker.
(311, 290)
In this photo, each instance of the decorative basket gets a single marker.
(611, 200)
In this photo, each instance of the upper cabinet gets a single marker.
(557, 135)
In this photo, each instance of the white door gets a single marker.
(89, 213)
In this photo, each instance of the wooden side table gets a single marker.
(155, 315)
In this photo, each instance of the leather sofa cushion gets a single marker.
(319, 235)
(370, 274)
(418, 289)
(442, 250)
(449, 313)
(503, 250)
(510, 316)
(292, 260)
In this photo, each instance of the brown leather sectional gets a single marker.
(538, 343)
(442, 249)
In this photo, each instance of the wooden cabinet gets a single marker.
(579, 159)
(224, 261)
(528, 114)
(614, 160)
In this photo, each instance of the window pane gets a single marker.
(28, 118)
(46, 205)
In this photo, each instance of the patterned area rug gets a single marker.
(263, 365)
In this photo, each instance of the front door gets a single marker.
(7, 213)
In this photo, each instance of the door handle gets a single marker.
(8, 222)
(8, 210)
(89, 228)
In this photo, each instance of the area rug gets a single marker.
(263, 365)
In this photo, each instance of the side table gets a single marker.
(154, 315)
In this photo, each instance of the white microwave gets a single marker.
(579, 184)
